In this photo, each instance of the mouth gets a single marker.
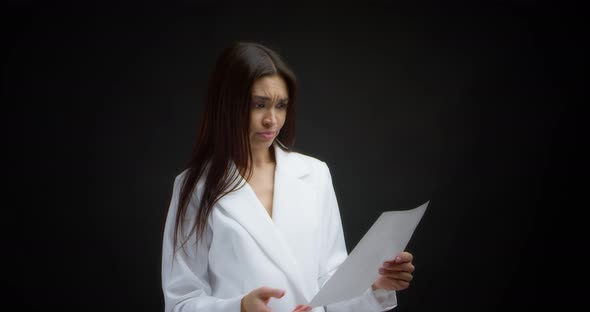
(266, 134)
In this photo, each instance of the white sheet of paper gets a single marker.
(388, 237)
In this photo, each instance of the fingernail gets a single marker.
(386, 264)
(398, 259)
(381, 271)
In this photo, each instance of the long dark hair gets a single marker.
(223, 134)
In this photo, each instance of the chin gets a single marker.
(261, 144)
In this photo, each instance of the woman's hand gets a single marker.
(257, 299)
(302, 308)
(396, 274)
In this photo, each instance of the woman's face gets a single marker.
(268, 111)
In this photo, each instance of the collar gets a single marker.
(291, 163)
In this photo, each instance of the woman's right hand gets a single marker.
(257, 299)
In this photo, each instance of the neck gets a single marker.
(262, 156)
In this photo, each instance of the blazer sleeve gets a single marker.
(333, 253)
(185, 280)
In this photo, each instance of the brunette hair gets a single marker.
(223, 139)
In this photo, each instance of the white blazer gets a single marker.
(297, 250)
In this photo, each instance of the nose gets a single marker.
(269, 119)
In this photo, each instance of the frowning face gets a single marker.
(268, 110)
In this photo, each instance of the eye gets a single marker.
(282, 105)
(258, 105)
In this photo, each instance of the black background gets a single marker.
(471, 106)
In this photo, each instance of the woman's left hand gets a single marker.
(396, 274)
(302, 308)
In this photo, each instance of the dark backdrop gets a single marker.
(462, 105)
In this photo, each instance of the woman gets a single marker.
(252, 225)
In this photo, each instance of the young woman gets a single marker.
(252, 225)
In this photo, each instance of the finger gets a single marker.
(266, 293)
(404, 256)
(404, 267)
(302, 308)
(399, 284)
(401, 258)
(402, 276)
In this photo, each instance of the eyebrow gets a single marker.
(266, 98)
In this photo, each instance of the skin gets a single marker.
(268, 113)
(396, 274)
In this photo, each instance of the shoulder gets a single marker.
(179, 182)
(180, 177)
(301, 164)
(310, 161)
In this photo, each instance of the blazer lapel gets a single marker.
(244, 207)
(291, 212)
